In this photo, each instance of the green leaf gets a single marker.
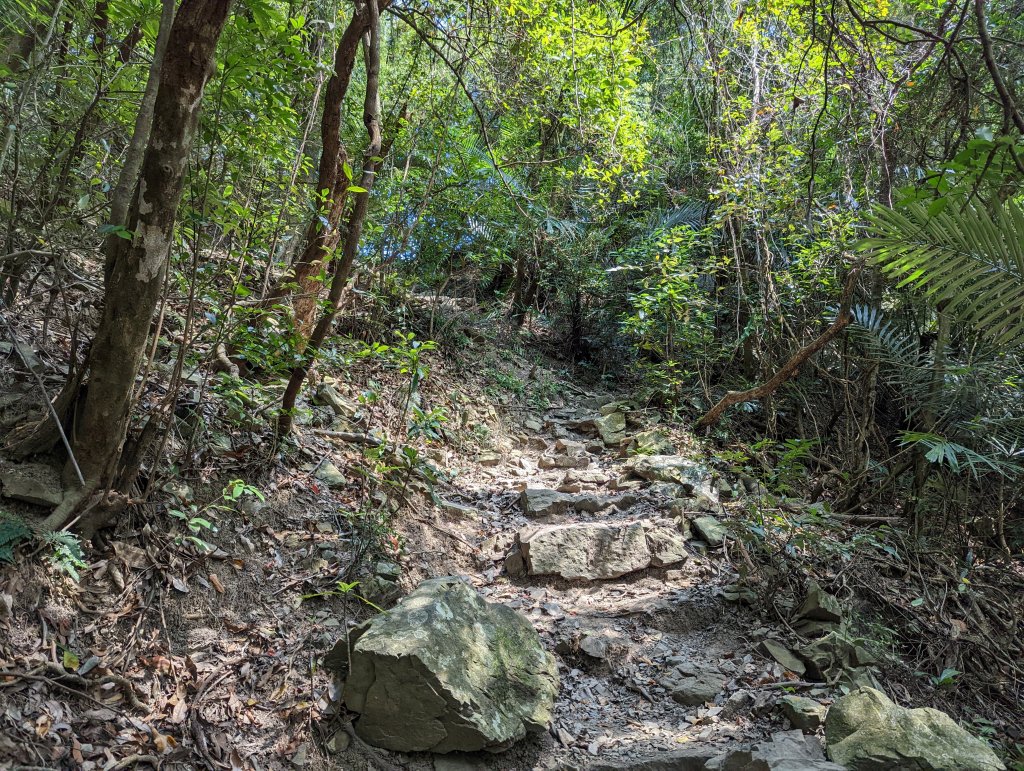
(971, 258)
(70, 660)
(357, 189)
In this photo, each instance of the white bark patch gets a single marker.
(154, 245)
(145, 207)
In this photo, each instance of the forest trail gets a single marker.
(615, 535)
(658, 662)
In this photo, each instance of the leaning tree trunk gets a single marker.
(302, 280)
(343, 266)
(136, 274)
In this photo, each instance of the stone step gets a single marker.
(595, 551)
(544, 502)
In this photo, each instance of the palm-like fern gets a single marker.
(972, 259)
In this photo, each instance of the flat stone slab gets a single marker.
(671, 468)
(33, 483)
(710, 530)
(594, 551)
(542, 502)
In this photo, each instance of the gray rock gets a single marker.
(710, 530)
(541, 502)
(803, 713)
(666, 494)
(692, 759)
(670, 468)
(489, 458)
(563, 461)
(587, 477)
(834, 659)
(599, 644)
(776, 650)
(738, 703)
(447, 671)
(330, 475)
(33, 483)
(667, 546)
(820, 606)
(816, 628)
(588, 551)
(25, 356)
(610, 407)
(457, 763)
(515, 563)
(653, 442)
(457, 509)
(180, 490)
(533, 424)
(866, 731)
(611, 428)
(328, 396)
(594, 503)
(380, 590)
(570, 447)
(692, 685)
(595, 551)
(739, 593)
(784, 751)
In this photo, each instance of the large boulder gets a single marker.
(589, 551)
(446, 671)
(595, 551)
(866, 731)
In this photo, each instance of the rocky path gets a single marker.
(616, 558)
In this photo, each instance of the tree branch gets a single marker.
(790, 368)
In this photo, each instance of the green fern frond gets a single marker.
(13, 530)
(971, 259)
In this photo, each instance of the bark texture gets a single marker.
(322, 233)
(343, 265)
(137, 267)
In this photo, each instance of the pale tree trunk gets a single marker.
(343, 265)
(121, 198)
(136, 275)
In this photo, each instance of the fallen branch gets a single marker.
(790, 368)
(348, 436)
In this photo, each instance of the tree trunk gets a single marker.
(322, 234)
(343, 266)
(133, 285)
(129, 178)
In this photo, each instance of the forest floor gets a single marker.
(159, 653)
